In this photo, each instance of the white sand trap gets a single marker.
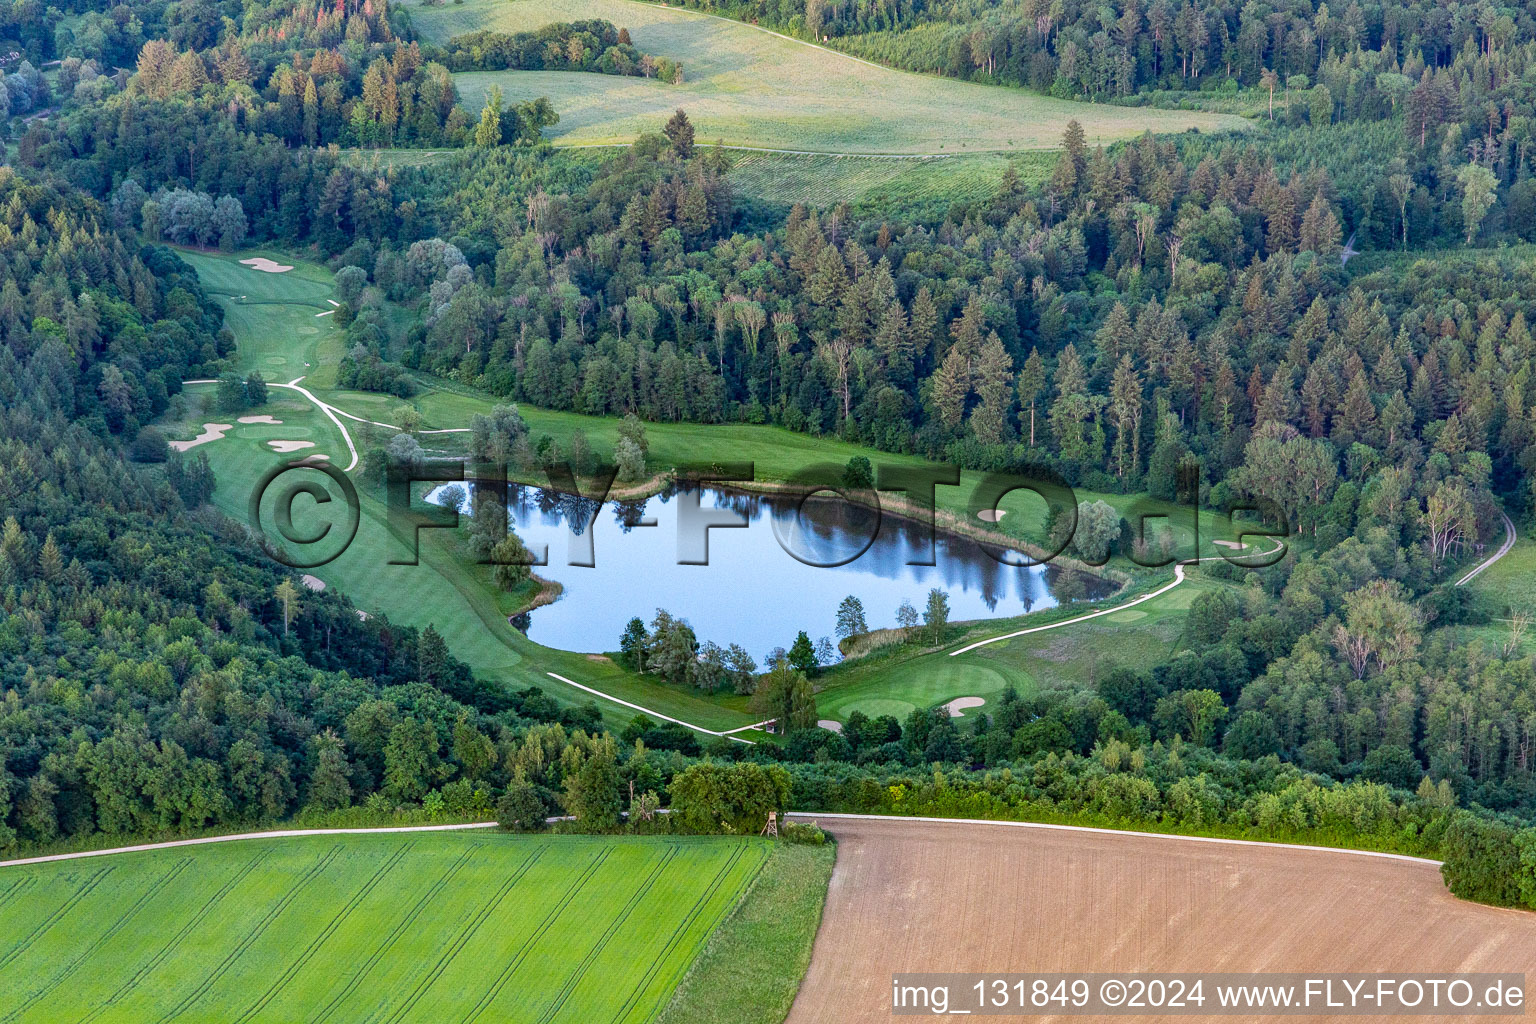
(362, 615)
(261, 419)
(830, 726)
(991, 515)
(333, 302)
(310, 460)
(290, 446)
(265, 265)
(211, 432)
(326, 313)
(1234, 545)
(960, 705)
(314, 583)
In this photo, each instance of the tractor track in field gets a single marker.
(456, 946)
(15, 890)
(154, 962)
(251, 937)
(681, 930)
(516, 961)
(290, 833)
(635, 899)
(100, 941)
(394, 936)
(325, 933)
(54, 918)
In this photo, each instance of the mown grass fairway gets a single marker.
(749, 87)
(895, 680)
(439, 927)
(275, 315)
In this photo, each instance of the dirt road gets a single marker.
(928, 896)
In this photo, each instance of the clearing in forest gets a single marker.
(440, 927)
(749, 87)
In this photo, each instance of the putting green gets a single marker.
(919, 683)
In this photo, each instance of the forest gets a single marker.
(1166, 313)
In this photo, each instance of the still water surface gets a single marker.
(753, 591)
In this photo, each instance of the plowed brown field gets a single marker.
(924, 896)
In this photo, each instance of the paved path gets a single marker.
(1509, 542)
(205, 840)
(1178, 577)
(329, 410)
(657, 714)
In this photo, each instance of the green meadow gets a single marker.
(749, 87)
(431, 927)
(881, 185)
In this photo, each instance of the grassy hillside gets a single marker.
(894, 681)
(432, 927)
(885, 187)
(750, 87)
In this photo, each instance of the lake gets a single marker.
(765, 580)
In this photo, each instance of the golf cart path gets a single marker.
(1178, 577)
(657, 714)
(329, 410)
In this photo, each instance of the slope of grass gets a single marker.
(886, 188)
(750, 87)
(751, 968)
(435, 927)
(895, 680)
(274, 315)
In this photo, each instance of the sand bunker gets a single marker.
(211, 432)
(991, 515)
(960, 705)
(830, 726)
(290, 446)
(261, 419)
(265, 265)
(314, 583)
(310, 460)
(326, 313)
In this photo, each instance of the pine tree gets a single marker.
(1125, 409)
(992, 378)
(1031, 383)
(679, 131)
(431, 657)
